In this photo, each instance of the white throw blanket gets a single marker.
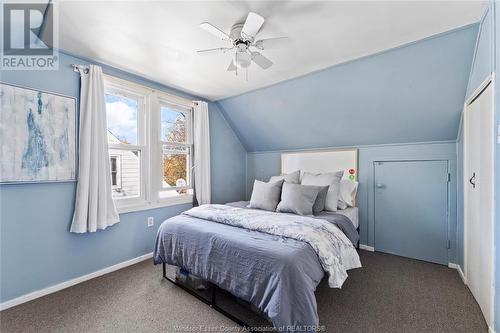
(335, 251)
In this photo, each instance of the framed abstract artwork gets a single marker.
(37, 136)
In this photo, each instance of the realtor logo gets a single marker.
(28, 36)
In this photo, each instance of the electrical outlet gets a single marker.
(151, 221)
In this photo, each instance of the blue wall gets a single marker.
(227, 160)
(37, 250)
(402, 96)
(262, 165)
(482, 65)
(409, 94)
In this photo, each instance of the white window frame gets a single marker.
(188, 112)
(149, 145)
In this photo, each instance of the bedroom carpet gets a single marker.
(389, 294)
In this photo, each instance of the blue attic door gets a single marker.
(411, 209)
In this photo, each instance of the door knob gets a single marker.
(473, 180)
(380, 185)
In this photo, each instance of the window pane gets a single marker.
(114, 163)
(175, 170)
(126, 176)
(173, 125)
(121, 116)
(175, 166)
(115, 179)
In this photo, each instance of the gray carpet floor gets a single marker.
(389, 294)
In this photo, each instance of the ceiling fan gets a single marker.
(243, 43)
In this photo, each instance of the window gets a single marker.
(115, 172)
(124, 115)
(176, 144)
(121, 115)
(150, 146)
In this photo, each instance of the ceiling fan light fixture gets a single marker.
(244, 43)
(242, 59)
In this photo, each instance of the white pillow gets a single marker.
(266, 196)
(347, 194)
(331, 179)
(292, 177)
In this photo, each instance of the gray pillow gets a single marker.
(319, 204)
(292, 177)
(298, 199)
(331, 179)
(266, 196)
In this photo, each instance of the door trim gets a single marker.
(490, 80)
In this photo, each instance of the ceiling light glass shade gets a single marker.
(242, 59)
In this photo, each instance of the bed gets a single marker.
(352, 213)
(273, 261)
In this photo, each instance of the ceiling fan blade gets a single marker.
(252, 25)
(260, 60)
(231, 67)
(270, 43)
(214, 51)
(214, 31)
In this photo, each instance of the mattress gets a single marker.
(352, 213)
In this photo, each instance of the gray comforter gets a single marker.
(277, 274)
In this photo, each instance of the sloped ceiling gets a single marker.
(413, 93)
(158, 40)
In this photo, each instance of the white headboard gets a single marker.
(320, 161)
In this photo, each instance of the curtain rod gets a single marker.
(85, 68)
(78, 68)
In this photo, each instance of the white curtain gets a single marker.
(94, 208)
(201, 153)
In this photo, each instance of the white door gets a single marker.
(479, 209)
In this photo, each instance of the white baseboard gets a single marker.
(459, 269)
(366, 247)
(52, 289)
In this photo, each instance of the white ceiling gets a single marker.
(158, 39)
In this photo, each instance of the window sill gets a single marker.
(185, 199)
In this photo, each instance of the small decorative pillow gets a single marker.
(292, 177)
(319, 204)
(347, 194)
(266, 196)
(298, 199)
(331, 179)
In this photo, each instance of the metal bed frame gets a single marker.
(213, 300)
